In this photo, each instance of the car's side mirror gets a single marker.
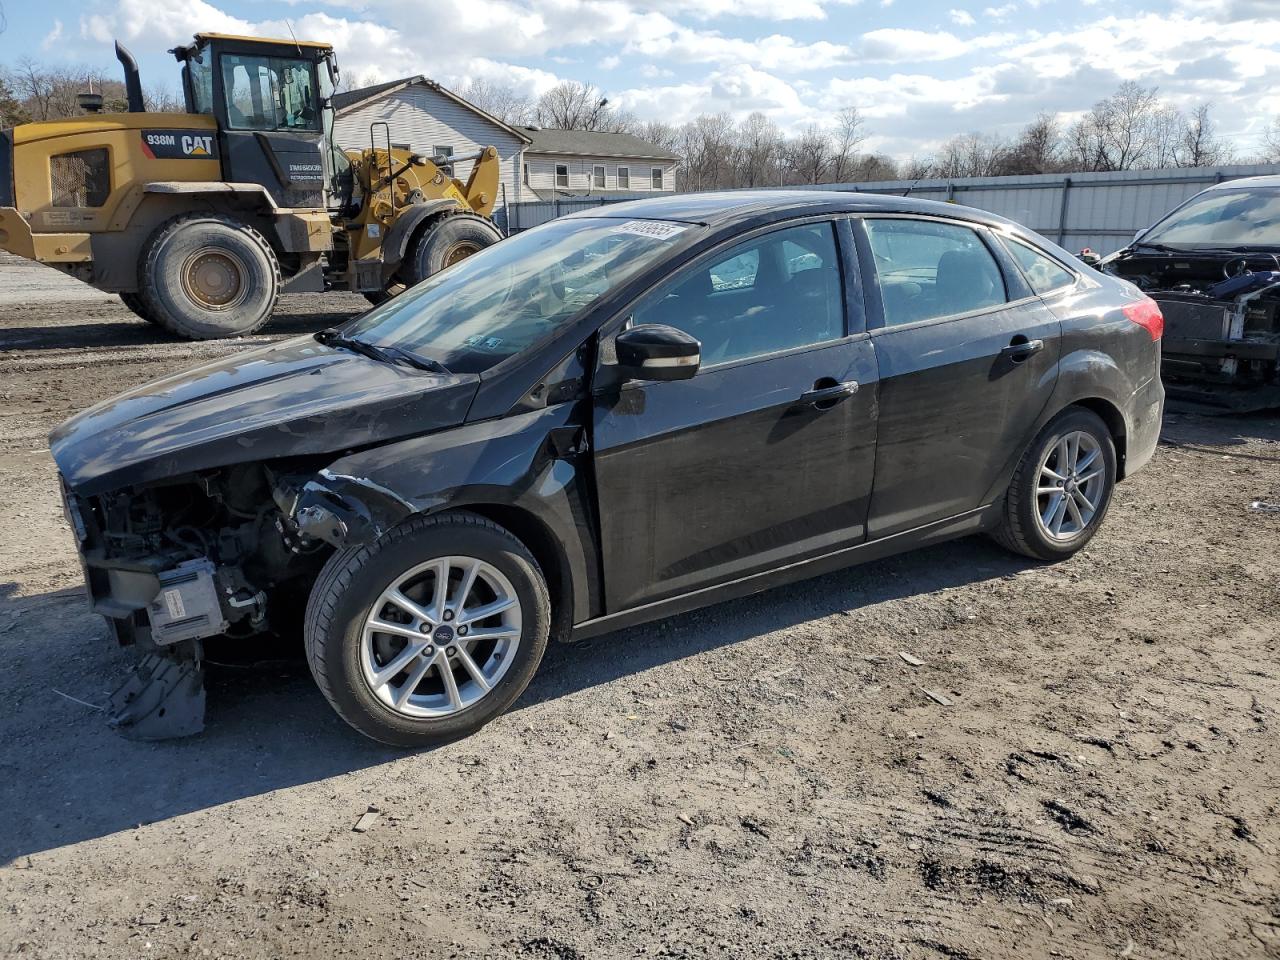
(654, 351)
(1140, 234)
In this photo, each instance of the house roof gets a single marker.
(592, 143)
(350, 99)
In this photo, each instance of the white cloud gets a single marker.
(999, 13)
(961, 17)
(774, 52)
(609, 63)
(53, 36)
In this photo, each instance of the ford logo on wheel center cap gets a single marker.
(444, 633)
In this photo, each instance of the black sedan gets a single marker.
(615, 417)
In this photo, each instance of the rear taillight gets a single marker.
(1146, 314)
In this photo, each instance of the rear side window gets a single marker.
(927, 269)
(774, 292)
(1042, 273)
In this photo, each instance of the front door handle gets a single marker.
(1020, 349)
(829, 392)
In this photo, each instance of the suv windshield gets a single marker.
(1223, 218)
(504, 299)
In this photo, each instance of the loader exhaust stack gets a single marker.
(132, 79)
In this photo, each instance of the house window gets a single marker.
(444, 152)
(526, 173)
(562, 175)
(656, 176)
(597, 176)
(624, 178)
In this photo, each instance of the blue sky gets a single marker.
(920, 71)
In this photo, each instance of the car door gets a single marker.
(968, 358)
(764, 456)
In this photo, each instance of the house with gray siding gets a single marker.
(581, 163)
(425, 117)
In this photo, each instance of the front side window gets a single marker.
(509, 296)
(751, 300)
(80, 179)
(928, 269)
(1042, 273)
(269, 93)
(562, 175)
(657, 178)
(624, 178)
(597, 177)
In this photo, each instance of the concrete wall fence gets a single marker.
(1101, 211)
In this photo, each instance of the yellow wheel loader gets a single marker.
(200, 220)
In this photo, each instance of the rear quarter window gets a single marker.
(1043, 273)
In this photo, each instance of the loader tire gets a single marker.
(447, 241)
(205, 276)
(134, 302)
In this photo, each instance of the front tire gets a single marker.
(1061, 489)
(206, 276)
(447, 241)
(430, 632)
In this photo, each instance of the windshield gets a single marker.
(1223, 218)
(506, 298)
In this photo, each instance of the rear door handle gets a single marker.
(1017, 352)
(831, 393)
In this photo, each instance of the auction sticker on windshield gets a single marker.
(656, 229)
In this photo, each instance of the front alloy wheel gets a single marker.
(429, 632)
(441, 637)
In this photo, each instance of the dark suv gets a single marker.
(615, 417)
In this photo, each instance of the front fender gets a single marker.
(397, 240)
(534, 464)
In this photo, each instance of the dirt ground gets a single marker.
(766, 778)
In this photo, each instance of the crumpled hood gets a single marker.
(288, 399)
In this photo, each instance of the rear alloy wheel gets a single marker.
(1061, 489)
(430, 632)
(206, 276)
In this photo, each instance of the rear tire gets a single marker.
(414, 704)
(1061, 489)
(447, 241)
(206, 276)
(134, 302)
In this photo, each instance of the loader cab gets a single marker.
(272, 100)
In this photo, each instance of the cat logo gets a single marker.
(179, 145)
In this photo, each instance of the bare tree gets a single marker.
(1271, 141)
(1200, 145)
(970, 155)
(757, 151)
(1037, 148)
(500, 100)
(849, 136)
(571, 105)
(808, 156)
(1120, 132)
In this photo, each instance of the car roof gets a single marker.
(728, 206)
(1271, 181)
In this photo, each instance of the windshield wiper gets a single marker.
(413, 360)
(381, 353)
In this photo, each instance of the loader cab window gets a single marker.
(199, 83)
(269, 93)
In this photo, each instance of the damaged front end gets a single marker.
(1213, 265)
(174, 564)
(1222, 335)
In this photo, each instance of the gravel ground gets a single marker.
(766, 778)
